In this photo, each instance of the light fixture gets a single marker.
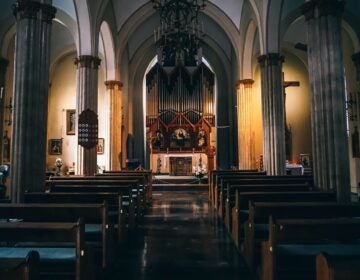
(177, 38)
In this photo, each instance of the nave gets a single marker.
(180, 238)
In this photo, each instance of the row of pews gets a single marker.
(71, 229)
(287, 229)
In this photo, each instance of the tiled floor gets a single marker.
(180, 238)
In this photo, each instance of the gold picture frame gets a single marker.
(70, 122)
(55, 147)
(100, 146)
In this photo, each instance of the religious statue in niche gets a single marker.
(6, 147)
(201, 138)
(355, 143)
(158, 138)
(180, 135)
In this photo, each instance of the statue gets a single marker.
(6, 147)
(158, 138)
(201, 138)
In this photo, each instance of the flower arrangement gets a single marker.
(200, 171)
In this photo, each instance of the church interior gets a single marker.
(172, 139)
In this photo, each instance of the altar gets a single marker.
(177, 164)
(180, 166)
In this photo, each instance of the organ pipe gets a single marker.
(180, 91)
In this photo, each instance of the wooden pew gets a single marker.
(240, 212)
(145, 184)
(292, 246)
(226, 184)
(226, 203)
(215, 175)
(218, 176)
(256, 228)
(129, 188)
(120, 209)
(147, 173)
(95, 217)
(335, 267)
(61, 260)
(27, 268)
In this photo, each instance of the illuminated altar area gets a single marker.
(180, 119)
(176, 164)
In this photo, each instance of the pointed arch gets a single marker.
(85, 30)
(272, 23)
(106, 39)
(248, 50)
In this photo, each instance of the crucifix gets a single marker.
(288, 134)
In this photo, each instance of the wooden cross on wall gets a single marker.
(288, 134)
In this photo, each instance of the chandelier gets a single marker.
(177, 38)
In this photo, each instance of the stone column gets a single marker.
(3, 66)
(33, 30)
(356, 109)
(355, 143)
(245, 122)
(328, 118)
(273, 113)
(87, 98)
(115, 123)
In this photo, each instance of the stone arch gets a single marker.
(85, 30)
(107, 41)
(248, 50)
(258, 21)
(273, 17)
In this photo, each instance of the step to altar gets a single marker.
(178, 183)
(180, 187)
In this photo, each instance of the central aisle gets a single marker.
(180, 238)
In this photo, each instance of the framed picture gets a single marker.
(55, 146)
(305, 160)
(100, 146)
(70, 122)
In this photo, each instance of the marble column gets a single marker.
(273, 113)
(328, 117)
(28, 157)
(3, 66)
(87, 98)
(114, 88)
(245, 124)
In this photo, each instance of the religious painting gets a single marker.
(201, 138)
(304, 160)
(158, 138)
(180, 136)
(70, 122)
(100, 146)
(55, 146)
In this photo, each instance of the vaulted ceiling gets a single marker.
(132, 23)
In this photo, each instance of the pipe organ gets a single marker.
(180, 108)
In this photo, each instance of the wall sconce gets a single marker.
(9, 109)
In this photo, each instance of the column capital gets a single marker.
(245, 82)
(87, 61)
(318, 8)
(270, 59)
(111, 84)
(30, 9)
